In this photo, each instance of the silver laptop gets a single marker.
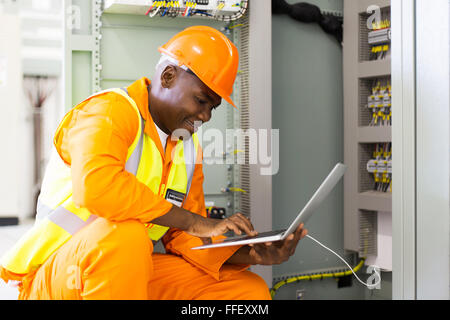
(322, 192)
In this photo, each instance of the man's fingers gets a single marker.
(233, 227)
(247, 223)
(304, 233)
(243, 224)
(300, 233)
(237, 227)
(206, 240)
(290, 243)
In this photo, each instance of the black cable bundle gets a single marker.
(308, 13)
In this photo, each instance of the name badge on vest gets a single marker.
(175, 197)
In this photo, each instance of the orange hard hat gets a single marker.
(209, 54)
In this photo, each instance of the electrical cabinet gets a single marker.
(368, 131)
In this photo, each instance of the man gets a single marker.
(119, 178)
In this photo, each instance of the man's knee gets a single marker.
(119, 265)
(124, 244)
(253, 287)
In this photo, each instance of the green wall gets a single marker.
(308, 110)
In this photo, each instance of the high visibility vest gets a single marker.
(58, 218)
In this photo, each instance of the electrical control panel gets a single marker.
(214, 9)
(368, 130)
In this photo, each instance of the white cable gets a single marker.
(370, 286)
(151, 15)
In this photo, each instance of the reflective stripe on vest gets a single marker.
(58, 218)
(67, 220)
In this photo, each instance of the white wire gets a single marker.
(151, 15)
(370, 286)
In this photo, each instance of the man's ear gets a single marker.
(168, 76)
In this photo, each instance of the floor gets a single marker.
(8, 237)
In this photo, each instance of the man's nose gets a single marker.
(205, 116)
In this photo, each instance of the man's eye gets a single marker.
(201, 101)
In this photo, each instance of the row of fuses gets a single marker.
(381, 167)
(380, 102)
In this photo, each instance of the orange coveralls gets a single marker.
(112, 258)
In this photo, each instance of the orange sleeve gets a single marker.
(97, 143)
(180, 243)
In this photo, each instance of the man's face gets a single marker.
(187, 100)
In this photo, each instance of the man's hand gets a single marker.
(199, 226)
(237, 223)
(269, 253)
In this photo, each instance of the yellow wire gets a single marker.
(279, 284)
(237, 190)
(238, 25)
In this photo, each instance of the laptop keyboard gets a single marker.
(260, 235)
